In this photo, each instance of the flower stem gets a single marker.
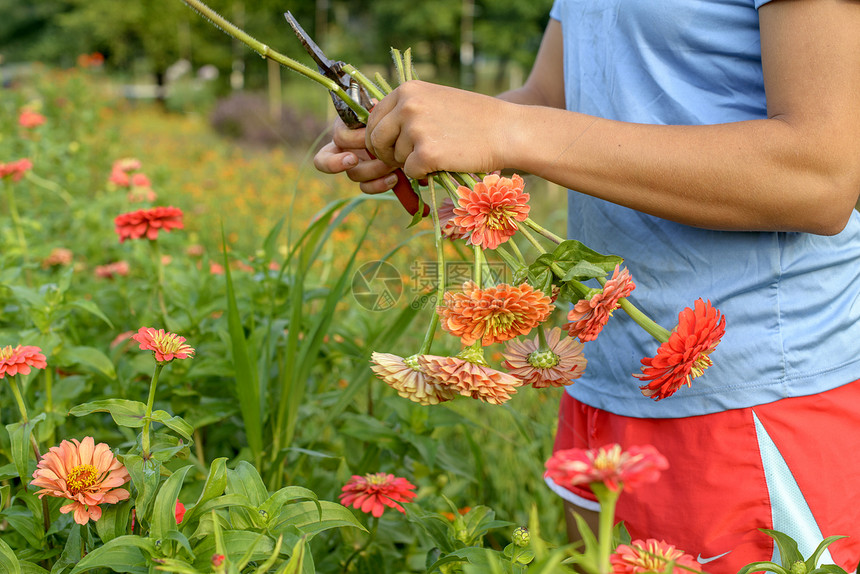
(478, 265)
(543, 231)
(49, 399)
(19, 230)
(543, 346)
(517, 252)
(607, 499)
(440, 269)
(147, 419)
(647, 323)
(266, 52)
(522, 229)
(159, 275)
(364, 81)
(16, 392)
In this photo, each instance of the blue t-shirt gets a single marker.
(791, 300)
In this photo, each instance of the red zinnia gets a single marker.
(14, 360)
(371, 493)
(166, 346)
(490, 212)
(494, 314)
(685, 355)
(609, 465)
(30, 119)
(147, 222)
(588, 316)
(645, 556)
(15, 170)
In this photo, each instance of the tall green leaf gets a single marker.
(247, 383)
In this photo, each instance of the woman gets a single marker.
(716, 146)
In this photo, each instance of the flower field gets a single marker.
(112, 224)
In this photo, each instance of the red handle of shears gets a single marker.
(404, 192)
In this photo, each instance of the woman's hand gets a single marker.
(346, 153)
(426, 128)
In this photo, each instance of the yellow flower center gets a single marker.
(377, 479)
(499, 218)
(167, 343)
(699, 366)
(7, 352)
(81, 478)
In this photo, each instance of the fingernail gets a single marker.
(350, 161)
(391, 181)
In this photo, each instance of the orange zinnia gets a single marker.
(30, 119)
(14, 360)
(588, 316)
(470, 378)
(493, 315)
(85, 473)
(557, 366)
(491, 210)
(166, 346)
(644, 556)
(407, 378)
(685, 355)
(147, 222)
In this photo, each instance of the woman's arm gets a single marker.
(797, 170)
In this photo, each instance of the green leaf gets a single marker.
(273, 504)
(124, 412)
(762, 567)
(19, 435)
(829, 569)
(788, 552)
(236, 544)
(812, 561)
(176, 566)
(127, 551)
(164, 512)
(8, 561)
(176, 423)
(88, 357)
(247, 383)
(296, 562)
(435, 525)
(145, 476)
(177, 536)
(30, 568)
(114, 521)
(245, 479)
(214, 486)
(24, 522)
(306, 517)
(91, 308)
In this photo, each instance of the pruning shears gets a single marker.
(333, 70)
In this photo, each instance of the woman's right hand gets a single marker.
(347, 153)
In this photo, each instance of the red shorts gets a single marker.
(792, 466)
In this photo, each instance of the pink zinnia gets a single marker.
(58, 256)
(147, 222)
(448, 227)
(111, 270)
(609, 464)
(15, 170)
(85, 473)
(166, 346)
(645, 556)
(30, 119)
(686, 354)
(490, 212)
(558, 366)
(473, 379)
(406, 377)
(20, 359)
(371, 493)
(494, 314)
(588, 316)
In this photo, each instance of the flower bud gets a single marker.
(521, 536)
(798, 567)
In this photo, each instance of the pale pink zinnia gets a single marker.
(406, 377)
(59, 256)
(473, 379)
(559, 365)
(111, 270)
(147, 222)
(491, 210)
(83, 472)
(371, 493)
(493, 315)
(588, 316)
(19, 359)
(646, 556)
(448, 227)
(610, 465)
(166, 346)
